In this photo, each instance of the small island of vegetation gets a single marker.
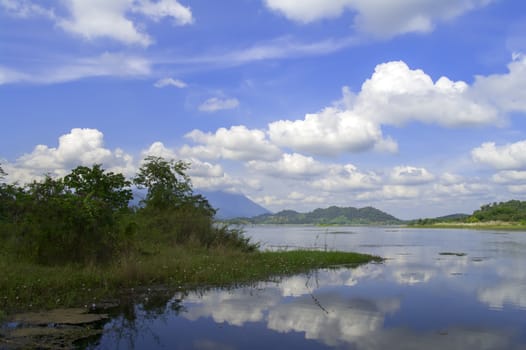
(75, 240)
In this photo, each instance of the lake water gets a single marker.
(438, 289)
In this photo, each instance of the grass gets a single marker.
(26, 286)
(489, 225)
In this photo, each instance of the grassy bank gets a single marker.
(489, 225)
(26, 286)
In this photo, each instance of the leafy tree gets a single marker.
(92, 184)
(171, 208)
(166, 182)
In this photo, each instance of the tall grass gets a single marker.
(27, 286)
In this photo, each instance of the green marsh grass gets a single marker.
(26, 286)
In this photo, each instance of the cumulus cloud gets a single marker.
(289, 165)
(463, 189)
(346, 178)
(164, 82)
(390, 192)
(408, 175)
(204, 175)
(197, 168)
(510, 156)
(238, 143)
(396, 94)
(509, 176)
(78, 147)
(330, 132)
(216, 104)
(379, 18)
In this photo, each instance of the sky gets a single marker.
(415, 107)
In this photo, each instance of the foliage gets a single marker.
(171, 212)
(513, 211)
(85, 217)
(74, 219)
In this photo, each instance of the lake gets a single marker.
(438, 289)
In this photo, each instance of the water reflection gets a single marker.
(459, 290)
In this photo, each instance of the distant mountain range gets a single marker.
(232, 205)
(329, 216)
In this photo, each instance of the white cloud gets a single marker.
(8, 75)
(378, 18)
(290, 165)
(507, 91)
(197, 168)
(408, 175)
(216, 104)
(390, 192)
(330, 132)
(105, 65)
(346, 178)
(278, 48)
(94, 19)
(508, 156)
(238, 143)
(396, 94)
(26, 9)
(170, 82)
(78, 147)
(157, 10)
(462, 189)
(516, 189)
(204, 175)
(509, 176)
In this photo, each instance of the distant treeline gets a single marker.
(329, 216)
(513, 211)
(85, 216)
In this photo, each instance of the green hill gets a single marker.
(329, 216)
(511, 211)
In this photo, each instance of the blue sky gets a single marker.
(414, 107)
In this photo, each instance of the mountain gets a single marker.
(231, 205)
(329, 216)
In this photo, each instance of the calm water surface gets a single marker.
(422, 297)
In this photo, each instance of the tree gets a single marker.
(167, 184)
(171, 209)
(92, 184)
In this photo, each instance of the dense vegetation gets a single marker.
(71, 241)
(84, 217)
(329, 216)
(512, 212)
